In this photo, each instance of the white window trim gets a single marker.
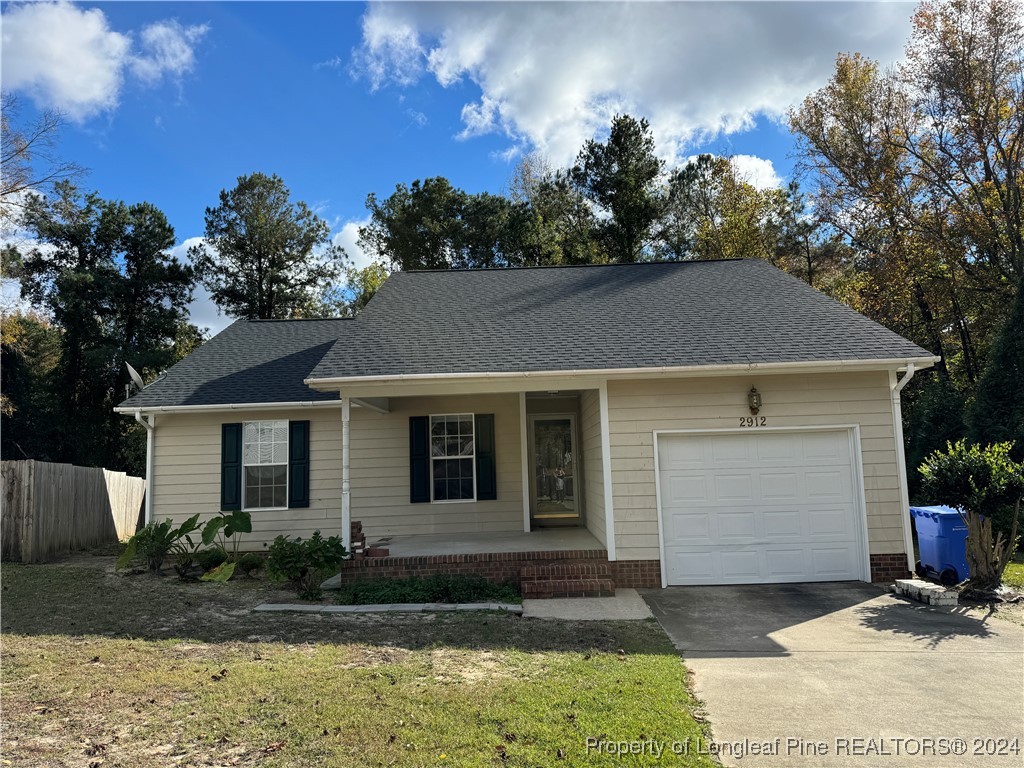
(430, 447)
(287, 478)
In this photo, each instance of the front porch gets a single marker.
(554, 562)
(546, 540)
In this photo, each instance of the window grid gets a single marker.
(265, 460)
(453, 457)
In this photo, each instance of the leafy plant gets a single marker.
(154, 542)
(221, 573)
(224, 527)
(305, 564)
(208, 559)
(988, 486)
(249, 563)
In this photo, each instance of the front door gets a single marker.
(554, 482)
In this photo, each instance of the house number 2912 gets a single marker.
(753, 421)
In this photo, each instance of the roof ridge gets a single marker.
(675, 262)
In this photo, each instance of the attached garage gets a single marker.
(761, 506)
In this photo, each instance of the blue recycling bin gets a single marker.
(942, 543)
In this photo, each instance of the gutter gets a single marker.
(150, 425)
(706, 370)
(226, 407)
(896, 386)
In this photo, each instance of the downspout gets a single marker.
(346, 509)
(896, 386)
(150, 426)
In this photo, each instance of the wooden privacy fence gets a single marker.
(51, 509)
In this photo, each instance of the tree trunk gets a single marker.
(988, 557)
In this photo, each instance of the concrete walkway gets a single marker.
(627, 605)
(846, 672)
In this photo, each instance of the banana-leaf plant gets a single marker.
(224, 527)
(156, 540)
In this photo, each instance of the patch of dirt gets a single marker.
(452, 665)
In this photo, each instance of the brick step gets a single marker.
(538, 590)
(580, 569)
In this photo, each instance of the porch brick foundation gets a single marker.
(889, 568)
(637, 574)
(499, 567)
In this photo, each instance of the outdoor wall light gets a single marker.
(754, 400)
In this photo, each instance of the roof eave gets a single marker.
(802, 366)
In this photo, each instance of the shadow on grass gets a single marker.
(85, 598)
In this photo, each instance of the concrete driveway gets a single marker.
(846, 675)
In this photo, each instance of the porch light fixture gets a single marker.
(754, 400)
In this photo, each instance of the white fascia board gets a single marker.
(227, 407)
(415, 379)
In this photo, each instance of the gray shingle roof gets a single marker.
(603, 317)
(542, 319)
(251, 361)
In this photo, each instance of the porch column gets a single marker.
(346, 509)
(606, 466)
(524, 457)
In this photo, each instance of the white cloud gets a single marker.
(348, 238)
(202, 312)
(70, 58)
(756, 171)
(553, 74)
(168, 49)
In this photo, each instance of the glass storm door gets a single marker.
(555, 483)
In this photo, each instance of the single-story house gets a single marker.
(711, 422)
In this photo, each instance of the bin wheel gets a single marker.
(948, 578)
(920, 569)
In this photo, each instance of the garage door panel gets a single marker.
(734, 487)
(694, 527)
(783, 524)
(757, 508)
(733, 525)
(740, 565)
(779, 485)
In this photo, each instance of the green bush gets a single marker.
(249, 563)
(208, 559)
(988, 486)
(440, 588)
(305, 564)
(154, 542)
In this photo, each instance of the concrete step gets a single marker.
(550, 588)
(578, 569)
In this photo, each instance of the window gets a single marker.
(453, 457)
(265, 460)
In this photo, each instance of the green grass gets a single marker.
(441, 588)
(143, 670)
(1013, 576)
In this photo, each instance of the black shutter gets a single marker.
(230, 467)
(419, 459)
(486, 477)
(298, 464)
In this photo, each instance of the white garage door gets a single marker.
(759, 508)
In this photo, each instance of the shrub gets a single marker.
(224, 527)
(249, 563)
(305, 564)
(440, 588)
(988, 486)
(209, 559)
(154, 542)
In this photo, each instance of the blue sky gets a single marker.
(170, 102)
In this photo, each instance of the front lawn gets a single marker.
(1013, 576)
(101, 669)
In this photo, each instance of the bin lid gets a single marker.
(936, 511)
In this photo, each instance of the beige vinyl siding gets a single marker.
(380, 470)
(186, 472)
(638, 408)
(593, 468)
